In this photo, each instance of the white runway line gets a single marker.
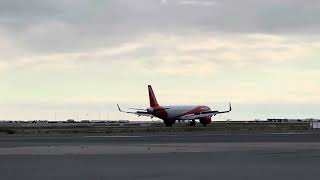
(287, 133)
(158, 148)
(33, 138)
(112, 136)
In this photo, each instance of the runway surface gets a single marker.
(202, 155)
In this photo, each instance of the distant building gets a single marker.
(314, 123)
(123, 121)
(85, 121)
(70, 120)
(277, 120)
(288, 120)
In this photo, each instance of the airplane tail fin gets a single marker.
(152, 97)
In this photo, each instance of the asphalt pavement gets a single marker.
(194, 155)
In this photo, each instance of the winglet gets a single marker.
(119, 108)
(230, 109)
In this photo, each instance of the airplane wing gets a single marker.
(205, 114)
(140, 112)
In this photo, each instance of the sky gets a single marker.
(59, 58)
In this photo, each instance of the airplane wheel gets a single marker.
(193, 123)
(168, 124)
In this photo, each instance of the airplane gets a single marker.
(170, 114)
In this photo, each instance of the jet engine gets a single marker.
(206, 120)
(150, 110)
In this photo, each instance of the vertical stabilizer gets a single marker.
(152, 97)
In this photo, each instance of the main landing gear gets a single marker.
(169, 123)
(204, 124)
(193, 123)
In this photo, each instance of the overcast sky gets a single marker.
(84, 56)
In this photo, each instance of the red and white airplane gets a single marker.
(170, 114)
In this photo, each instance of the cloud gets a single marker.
(3, 67)
(164, 1)
(74, 25)
(197, 2)
(181, 54)
(196, 54)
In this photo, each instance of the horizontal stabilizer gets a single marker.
(139, 113)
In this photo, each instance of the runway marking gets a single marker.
(34, 138)
(286, 133)
(158, 148)
(112, 136)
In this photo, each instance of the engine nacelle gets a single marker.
(150, 110)
(205, 121)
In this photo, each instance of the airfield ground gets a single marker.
(166, 155)
(50, 128)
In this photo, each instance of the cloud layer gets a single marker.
(179, 54)
(49, 26)
(250, 51)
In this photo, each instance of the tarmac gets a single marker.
(187, 155)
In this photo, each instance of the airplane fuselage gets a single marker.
(172, 113)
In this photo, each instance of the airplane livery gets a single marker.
(170, 114)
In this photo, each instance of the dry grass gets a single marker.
(218, 126)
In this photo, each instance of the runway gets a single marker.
(202, 155)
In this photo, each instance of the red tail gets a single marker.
(152, 97)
